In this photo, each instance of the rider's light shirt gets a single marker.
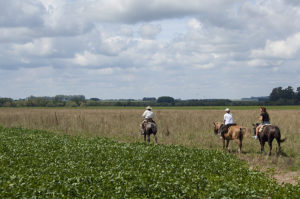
(148, 114)
(228, 118)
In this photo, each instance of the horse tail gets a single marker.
(278, 130)
(282, 140)
(241, 135)
(245, 131)
(154, 128)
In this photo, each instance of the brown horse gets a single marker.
(150, 128)
(235, 133)
(268, 133)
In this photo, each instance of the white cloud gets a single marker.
(16, 13)
(258, 62)
(132, 11)
(204, 66)
(285, 49)
(149, 31)
(113, 45)
(104, 71)
(15, 34)
(39, 47)
(185, 46)
(194, 24)
(126, 31)
(86, 58)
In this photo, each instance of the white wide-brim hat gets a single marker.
(148, 108)
(227, 109)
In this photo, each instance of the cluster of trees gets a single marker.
(287, 96)
(57, 101)
(76, 101)
(278, 96)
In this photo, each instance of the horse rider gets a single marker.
(148, 116)
(264, 118)
(228, 121)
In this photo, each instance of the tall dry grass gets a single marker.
(193, 128)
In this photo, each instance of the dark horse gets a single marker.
(268, 133)
(150, 128)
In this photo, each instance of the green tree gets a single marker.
(71, 104)
(78, 99)
(6, 102)
(297, 95)
(165, 99)
(276, 94)
(288, 93)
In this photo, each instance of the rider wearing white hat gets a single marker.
(228, 121)
(228, 118)
(148, 116)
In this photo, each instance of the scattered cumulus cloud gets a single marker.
(284, 49)
(133, 48)
(149, 31)
(38, 47)
(194, 24)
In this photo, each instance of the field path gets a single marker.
(287, 177)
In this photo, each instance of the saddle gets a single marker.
(150, 124)
(263, 126)
(229, 125)
(150, 120)
(224, 128)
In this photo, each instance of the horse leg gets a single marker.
(145, 137)
(155, 137)
(227, 143)
(262, 146)
(142, 125)
(223, 140)
(148, 137)
(270, 145)
(240, 142)
(279, 148)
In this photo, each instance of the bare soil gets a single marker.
(291, 177)
(275, 167)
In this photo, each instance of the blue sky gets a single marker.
(148, 48)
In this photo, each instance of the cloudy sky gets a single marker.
(191, 49)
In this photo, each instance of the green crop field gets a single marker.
(39, 164)
(191, 127)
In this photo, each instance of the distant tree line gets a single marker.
(278, 96)
(80, 101)
(287, 96)
(57, 101)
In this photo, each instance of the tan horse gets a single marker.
(235, 133)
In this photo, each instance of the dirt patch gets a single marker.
(275, 167)
(282, 177)
(291, 177)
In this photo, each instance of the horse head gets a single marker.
(217, 126)
(255, 127)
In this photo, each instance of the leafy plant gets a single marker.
(39, 164)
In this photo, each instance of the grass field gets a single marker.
(40, 164)
(186, 126)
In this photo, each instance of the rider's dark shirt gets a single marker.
(265, 117)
